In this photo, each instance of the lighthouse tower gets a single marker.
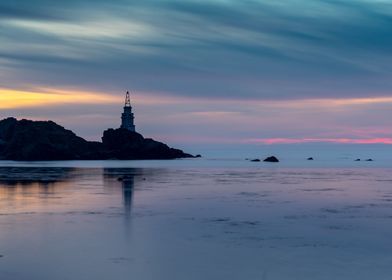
(127, 117)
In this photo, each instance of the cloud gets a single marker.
(226, 49)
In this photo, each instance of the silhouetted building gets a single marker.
(127, 117)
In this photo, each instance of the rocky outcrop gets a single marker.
(124, 144)
(42, 140)
(271, 159)
(45, 140)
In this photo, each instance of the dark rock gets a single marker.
(45, 140)
(369, 159)
(124, 145)
(310, 158)
(198, 156)
(42, 140)
(358, 159)
(271, 159)
(255, 160)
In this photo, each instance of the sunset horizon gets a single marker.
(195, 139)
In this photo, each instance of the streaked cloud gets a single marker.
(248, 49)
(101, 29)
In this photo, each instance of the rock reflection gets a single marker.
(25, 176)
(23, 186)
(27, 180)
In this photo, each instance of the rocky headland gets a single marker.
(26, 140)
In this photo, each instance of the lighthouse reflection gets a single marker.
(127, 191)
(124, 179)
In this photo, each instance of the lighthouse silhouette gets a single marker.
(127, 117)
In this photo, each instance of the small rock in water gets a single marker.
(198, 156)
(271, 159)
(255, 160)
(1, 256)
(310, 158)
(358, 159)
(369, 159)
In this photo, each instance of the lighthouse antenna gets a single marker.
(127, 100)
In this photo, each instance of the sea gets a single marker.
(193, 219)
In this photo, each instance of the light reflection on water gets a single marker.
(192, 223)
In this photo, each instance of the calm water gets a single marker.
(186, 220)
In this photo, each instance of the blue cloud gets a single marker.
(230, 49)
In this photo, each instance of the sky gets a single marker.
(203, 73)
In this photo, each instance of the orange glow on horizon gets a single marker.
(10, 99)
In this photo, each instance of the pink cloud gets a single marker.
(271, 141)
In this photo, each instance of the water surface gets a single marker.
(74, 220)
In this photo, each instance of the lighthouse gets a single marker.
(127, 117)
